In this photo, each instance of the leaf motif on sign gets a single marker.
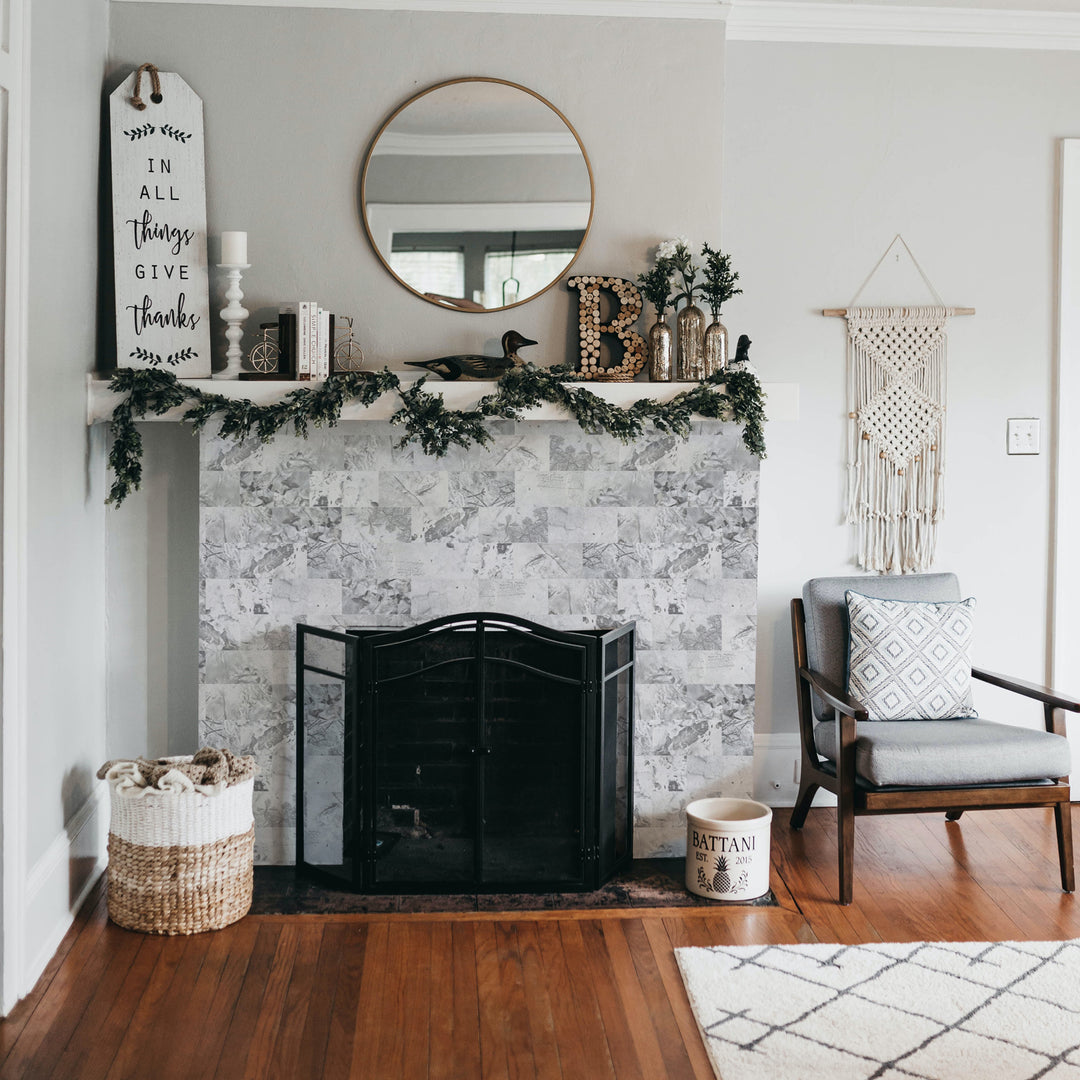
(173, 133)
(155, 358)
(139, 132)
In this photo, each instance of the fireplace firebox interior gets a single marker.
(473, 753)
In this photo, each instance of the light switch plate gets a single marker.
(1023, 435)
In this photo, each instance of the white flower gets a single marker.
(669, 248)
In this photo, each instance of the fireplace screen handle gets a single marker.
(480, 750)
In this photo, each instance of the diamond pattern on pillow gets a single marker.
(908, 659)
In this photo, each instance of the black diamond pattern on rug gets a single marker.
(911, 1011)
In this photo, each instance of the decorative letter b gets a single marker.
(590, 328)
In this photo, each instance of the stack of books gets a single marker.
(305, 340)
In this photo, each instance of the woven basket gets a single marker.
(181, 863)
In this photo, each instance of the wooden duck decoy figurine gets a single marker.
(475, 366)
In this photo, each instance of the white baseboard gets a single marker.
(776, 771)
(59, 882)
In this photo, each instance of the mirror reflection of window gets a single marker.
(439, 272)
(493, 269)
(486, 169)
(530, 270)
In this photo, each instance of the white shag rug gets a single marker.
(914, 1011)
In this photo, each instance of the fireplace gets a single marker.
(471, 753)
(553, 524)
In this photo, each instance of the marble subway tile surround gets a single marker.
(549, 523)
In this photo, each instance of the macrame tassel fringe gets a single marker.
(896, 435)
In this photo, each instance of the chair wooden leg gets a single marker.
(953, 815)
(807, 790)
(845, 828)
(1063, 823)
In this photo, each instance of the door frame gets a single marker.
(1065, 412)
(14, 266)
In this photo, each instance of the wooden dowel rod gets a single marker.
(841, 311)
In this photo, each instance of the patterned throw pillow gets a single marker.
(908, 659)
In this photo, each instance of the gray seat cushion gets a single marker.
(827, 616)
(947, 753)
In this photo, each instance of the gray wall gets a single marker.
(152, 575)
(66, 515)
(292, 98)
(829, 152)
(65, 648)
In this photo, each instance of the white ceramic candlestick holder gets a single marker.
(234, 315)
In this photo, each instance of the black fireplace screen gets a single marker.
(478, 752)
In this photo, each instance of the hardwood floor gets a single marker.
(560, 994)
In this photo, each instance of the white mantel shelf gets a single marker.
(782, 399)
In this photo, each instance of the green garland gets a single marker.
(425, 417)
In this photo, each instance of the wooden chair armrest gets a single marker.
(1031, 690)
(833, 695)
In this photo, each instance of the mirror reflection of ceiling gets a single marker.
(477, 195)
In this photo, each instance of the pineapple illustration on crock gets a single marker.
(721, 882)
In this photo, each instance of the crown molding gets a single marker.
(634, 9)
(837, 22)
(879, 24)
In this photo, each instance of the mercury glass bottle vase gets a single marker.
(661, 367)
(690, 351)
(716, 347)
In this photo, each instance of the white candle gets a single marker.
(234, 248)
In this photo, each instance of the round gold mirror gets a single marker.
(477, 194)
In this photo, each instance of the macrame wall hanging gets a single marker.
(896, 427)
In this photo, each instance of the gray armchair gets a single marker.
(911, 766)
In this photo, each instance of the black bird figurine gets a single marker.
(471, 366)
(742, 350)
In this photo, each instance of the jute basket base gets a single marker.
(180, 890)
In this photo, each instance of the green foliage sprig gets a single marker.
(719, 284)
(656, 284)
(424, 417)
(678, 252)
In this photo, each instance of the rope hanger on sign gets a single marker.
(155, 86)
(896, 426)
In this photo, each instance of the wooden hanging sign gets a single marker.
(159, 225)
